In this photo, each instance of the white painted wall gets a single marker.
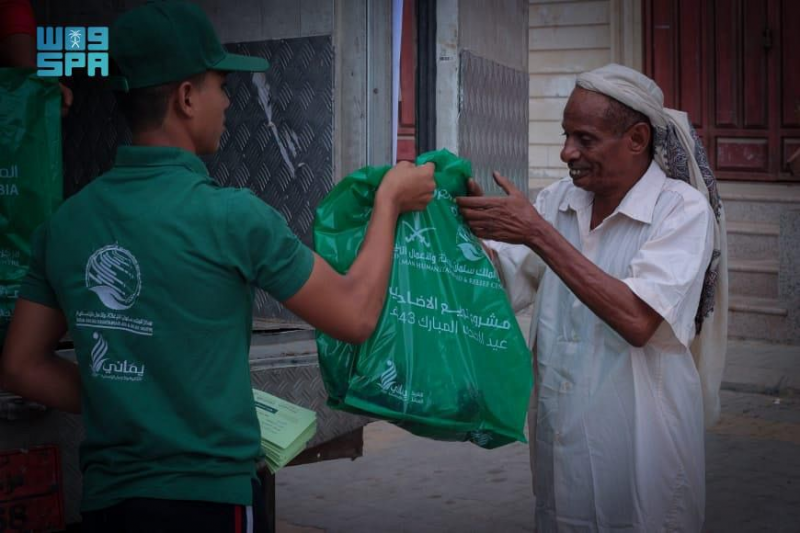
(565, 38)
(447, 74)
(492, 30)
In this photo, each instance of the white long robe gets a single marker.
(617, 437)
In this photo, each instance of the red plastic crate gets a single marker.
(31, 494)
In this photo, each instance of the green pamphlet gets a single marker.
(285, 428)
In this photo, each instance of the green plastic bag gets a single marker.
(31, 180)
(447, 359)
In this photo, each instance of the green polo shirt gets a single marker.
(153, 265)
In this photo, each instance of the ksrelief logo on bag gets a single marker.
(9, 173)
(62, 50)
(467, 245)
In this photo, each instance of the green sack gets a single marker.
(447, 359)
(30, 173)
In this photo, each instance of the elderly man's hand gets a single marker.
(509, 219)
(474, 189)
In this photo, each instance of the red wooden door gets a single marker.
(734, 66)
(406, 116)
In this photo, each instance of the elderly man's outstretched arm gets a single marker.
(514, 220)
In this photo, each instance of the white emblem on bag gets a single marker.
(113, 274)
(388, 384)
(417, 231)
(389, 376)
(467, 245)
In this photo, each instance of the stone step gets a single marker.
(753, 277)
(762, 367)
(752, 317)
(752, 240)
(755, 305)
(758, 202)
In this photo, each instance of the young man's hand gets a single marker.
(408, 187)
(347, 307)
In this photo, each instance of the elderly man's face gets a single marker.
(598, 157)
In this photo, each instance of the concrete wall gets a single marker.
(259, 20)
(362, 93)
(494, 30)
(494, 35)
(566, 38)
(361, 33)
(447, 74)
(239, 21)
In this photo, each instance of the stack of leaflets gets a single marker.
(285, 428)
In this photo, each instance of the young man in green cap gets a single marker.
(151, 268)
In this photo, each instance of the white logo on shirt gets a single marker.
(98, 353)
(105, 369)
(113, 274)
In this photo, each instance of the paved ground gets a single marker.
(753, 465)
(408, 484)
(762, 367)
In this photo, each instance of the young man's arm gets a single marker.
(348, 307)
(29, 367)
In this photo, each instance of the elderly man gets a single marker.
(627, 260)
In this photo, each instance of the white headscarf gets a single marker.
(679, 152)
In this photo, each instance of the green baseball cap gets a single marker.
(166, 41)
